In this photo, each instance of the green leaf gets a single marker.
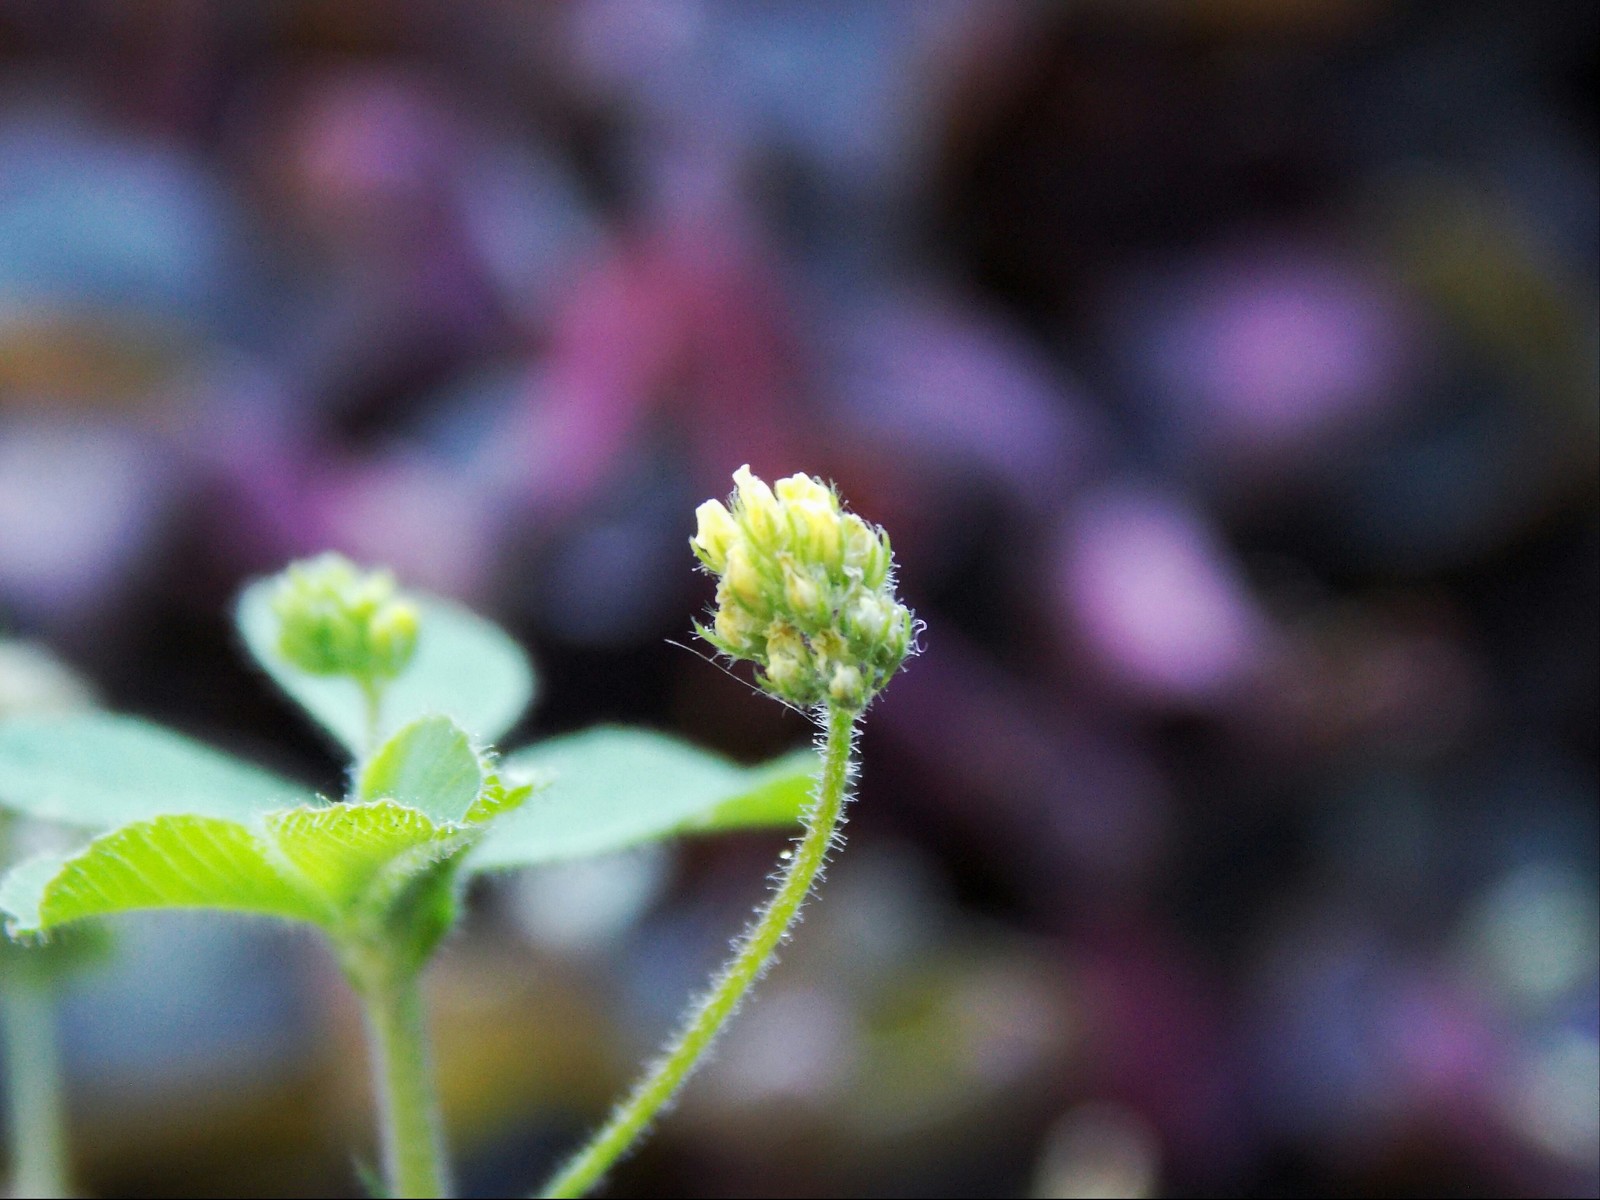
(610, 788)
(778, 794)
(65, 955)
(497, 799)
(429, 765)
(97, 770)
(22, 889)
(170, 862)
(337, 852)
(464, 667)
(336, 867)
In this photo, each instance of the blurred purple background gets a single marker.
(1226, 373)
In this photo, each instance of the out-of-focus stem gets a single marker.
(35, 1112)
(402, 1077)
(372, 697)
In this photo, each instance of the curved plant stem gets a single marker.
(749, 962)
(413, 1142)
(35, 1113)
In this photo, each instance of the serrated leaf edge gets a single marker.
(443, 840)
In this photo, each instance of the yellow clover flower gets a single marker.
(805, 591)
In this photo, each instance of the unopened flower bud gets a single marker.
(393, 637)
(757, 510)
(737, 628)
(805, 591)
(788, 660)
(715, 534)
(801, 591)
(870, 617)
(741, 576)
(336, 619)
(815, 529)
(801, 488)
(845, 686)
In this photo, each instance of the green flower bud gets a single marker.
(788, 660)
(802, 591)
(805, 591)
(870, 617)
(756, 509)
(742, 577)
(393, 638)
(737, 628)
(336, 619)
(845, 687)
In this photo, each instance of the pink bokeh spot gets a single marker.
(1154, 600)
(1275, 356)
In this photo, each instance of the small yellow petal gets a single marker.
(715, 532)
(756, 509)
(803, 489)
(741, 576)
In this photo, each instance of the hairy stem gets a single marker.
(408, 1109)
(750, 960)
(35, 1114)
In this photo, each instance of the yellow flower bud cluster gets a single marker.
(805, 591)
(336, 619)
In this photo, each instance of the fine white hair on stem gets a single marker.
(754, 952)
